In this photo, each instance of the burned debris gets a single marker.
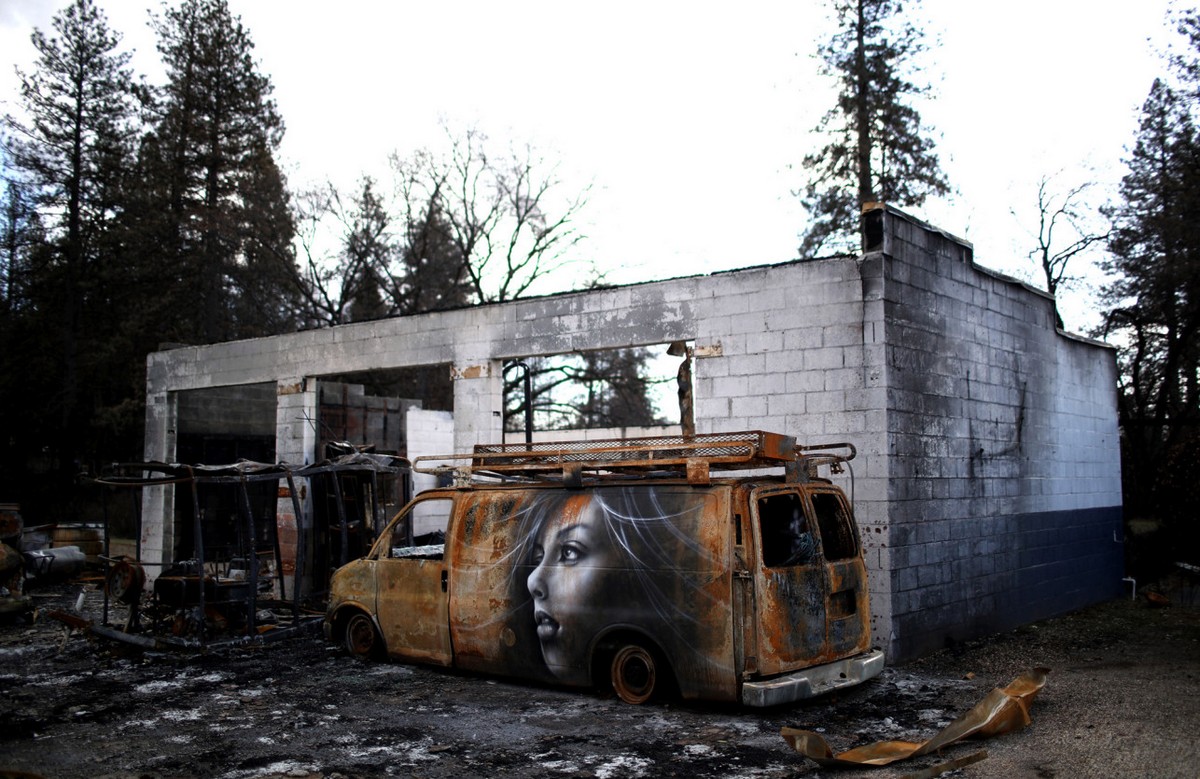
(12, 564)
(233, 580)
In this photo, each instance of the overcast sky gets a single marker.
(691, 118)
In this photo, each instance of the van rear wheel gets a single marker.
(360, 638)
(634, 673)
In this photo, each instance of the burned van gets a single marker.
(631, 564)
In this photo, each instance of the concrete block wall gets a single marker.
(295, 443)
(1004, 490)
(791, 349)
(987, 481)
(430, 433)
(246, 410)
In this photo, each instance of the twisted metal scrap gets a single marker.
(1001, 711)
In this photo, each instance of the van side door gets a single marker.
(413, 582)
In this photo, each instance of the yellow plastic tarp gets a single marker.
(1001, 711)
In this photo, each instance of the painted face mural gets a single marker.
(625, 558)
(573, 557)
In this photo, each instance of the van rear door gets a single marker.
(810, 580)
(791, 582)
(847, 604)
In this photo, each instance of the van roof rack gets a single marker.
(695, 455)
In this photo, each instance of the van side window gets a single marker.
(786, 537)
(422, 531)
(839, 541)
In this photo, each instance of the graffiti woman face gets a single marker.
(572, 557)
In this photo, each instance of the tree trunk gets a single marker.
(862, 115)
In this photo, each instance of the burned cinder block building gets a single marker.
(987, 482)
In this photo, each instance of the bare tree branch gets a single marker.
(1066, 216)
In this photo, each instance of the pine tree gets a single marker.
(224, 226)
(20, 231)
(69, 156)
(1154, 306)
(368, 251)
(1155, 298)
(878, 149)
(434, 272)
(268, 298)
(586, 390)
(394, 259)
(615, 391)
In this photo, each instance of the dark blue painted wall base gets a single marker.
(1049, 563)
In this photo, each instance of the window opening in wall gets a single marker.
(369, 409)
(221, 425)
(608, 388)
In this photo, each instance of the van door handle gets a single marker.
(445, 580)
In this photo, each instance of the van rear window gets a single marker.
(786, 537)
(838, 539)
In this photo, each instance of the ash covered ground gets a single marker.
(1123, 699)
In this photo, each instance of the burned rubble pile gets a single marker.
(78, 705)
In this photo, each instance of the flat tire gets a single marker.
(360, 637)
(634, 674)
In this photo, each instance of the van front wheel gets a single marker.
(634, 674)
(360, 637)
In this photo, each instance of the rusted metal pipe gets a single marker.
(344, 553)
(301, 549)
(528, 399)
(199, 548)
(251, 562)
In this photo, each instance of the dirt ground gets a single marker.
(1123, 699)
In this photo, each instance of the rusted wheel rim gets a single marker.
(126, 580)
(633, 674)
(361, 640)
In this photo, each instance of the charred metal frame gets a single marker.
(135, 476)
(528, 386)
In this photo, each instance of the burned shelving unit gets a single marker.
(219, 594)
(350, 507)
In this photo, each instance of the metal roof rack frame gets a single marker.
(695, 456)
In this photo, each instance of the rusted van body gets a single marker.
(625, 563)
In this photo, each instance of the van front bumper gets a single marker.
(810, 682)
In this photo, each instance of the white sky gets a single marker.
(690, 118)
